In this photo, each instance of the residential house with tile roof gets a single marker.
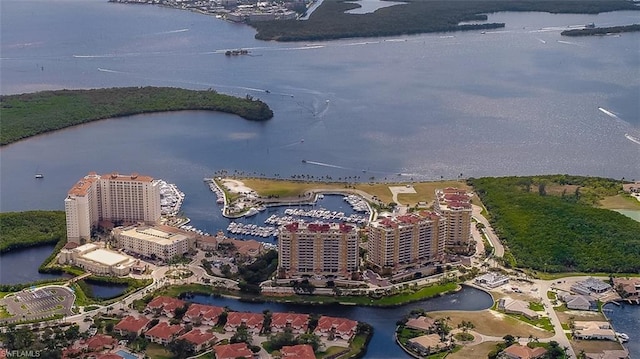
(233, 351)
(131, 324)
(298, 323)
(338, 327)
(253, 321)
(206, 314)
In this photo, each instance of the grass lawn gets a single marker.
(81, 298)
(542, 322)
(356, 345)
(594, 346)
(156, 351)
(475, 351)
(552, 295)
(4, 313)
(492, 323)
(538, 307)
(329, 352)
(620, 202)
(425, 191)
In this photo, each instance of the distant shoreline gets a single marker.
(599, 31)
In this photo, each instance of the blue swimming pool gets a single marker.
(126, 355)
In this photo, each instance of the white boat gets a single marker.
(622, 337)
(39, 175)
(251, 212)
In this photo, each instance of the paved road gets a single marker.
(488, 230)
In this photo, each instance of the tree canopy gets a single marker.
(561, 231)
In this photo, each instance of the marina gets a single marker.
(171, 198)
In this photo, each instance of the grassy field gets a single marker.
(594, 346)
(387, 301)
(492, 323)
(620, 202)
(329, 352)
(425, 191)
(476, 351)
(157, 351)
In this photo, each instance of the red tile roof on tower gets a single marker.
(164, 330)
(132, 324)
(206, 312)
(300, 351)
(198, 337)
(232, 351)
(293, 320)
(167, 304)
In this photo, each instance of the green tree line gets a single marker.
(562, 232)
(31, 228)
(31, 114)
(329, 20)
(601, 30)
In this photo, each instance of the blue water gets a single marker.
(21, 266)
(106, 291)
(383, 320)
(626, 319)
(518, 101)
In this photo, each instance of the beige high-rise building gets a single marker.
(318, 249)
(455, 205)
(408, 240)
(111, 197)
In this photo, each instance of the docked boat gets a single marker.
(251, 212)
(622, 337)
(39, 175)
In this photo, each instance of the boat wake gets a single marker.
(632, 139)
(325, 164)
(608, 113)
(542, 41)
(570, 43)
(111, 71)
(171, 32)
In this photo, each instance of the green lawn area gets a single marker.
(406, 333)
(81, 298)
(552, 295)
(356, 345)
(3, 294)
(407, 296)
(538, 307)
(542, 322)
(4, 313)
(156, 351)
(329, 352)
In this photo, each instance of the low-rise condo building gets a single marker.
(317, 249)
(111, 197)
(155, 242)
(408, 240)
(97, 260)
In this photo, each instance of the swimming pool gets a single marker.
(126, 355)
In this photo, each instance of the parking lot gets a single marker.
(35, 304)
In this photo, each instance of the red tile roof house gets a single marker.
(109, 356)
(206, 314)
(131, 324)
(233, 351)
(71, 352)
(253, 321)
(199, 338)
(99, 342)
(163, 333)
(297, 322)
(301, 351)
(165, 305)
(340, 327)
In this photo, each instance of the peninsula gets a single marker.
(331, 20)
(31, 114)
(590, 31)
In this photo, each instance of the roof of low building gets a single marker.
(132, 324)
(300, 351)
(232, 351)
(524, 352)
